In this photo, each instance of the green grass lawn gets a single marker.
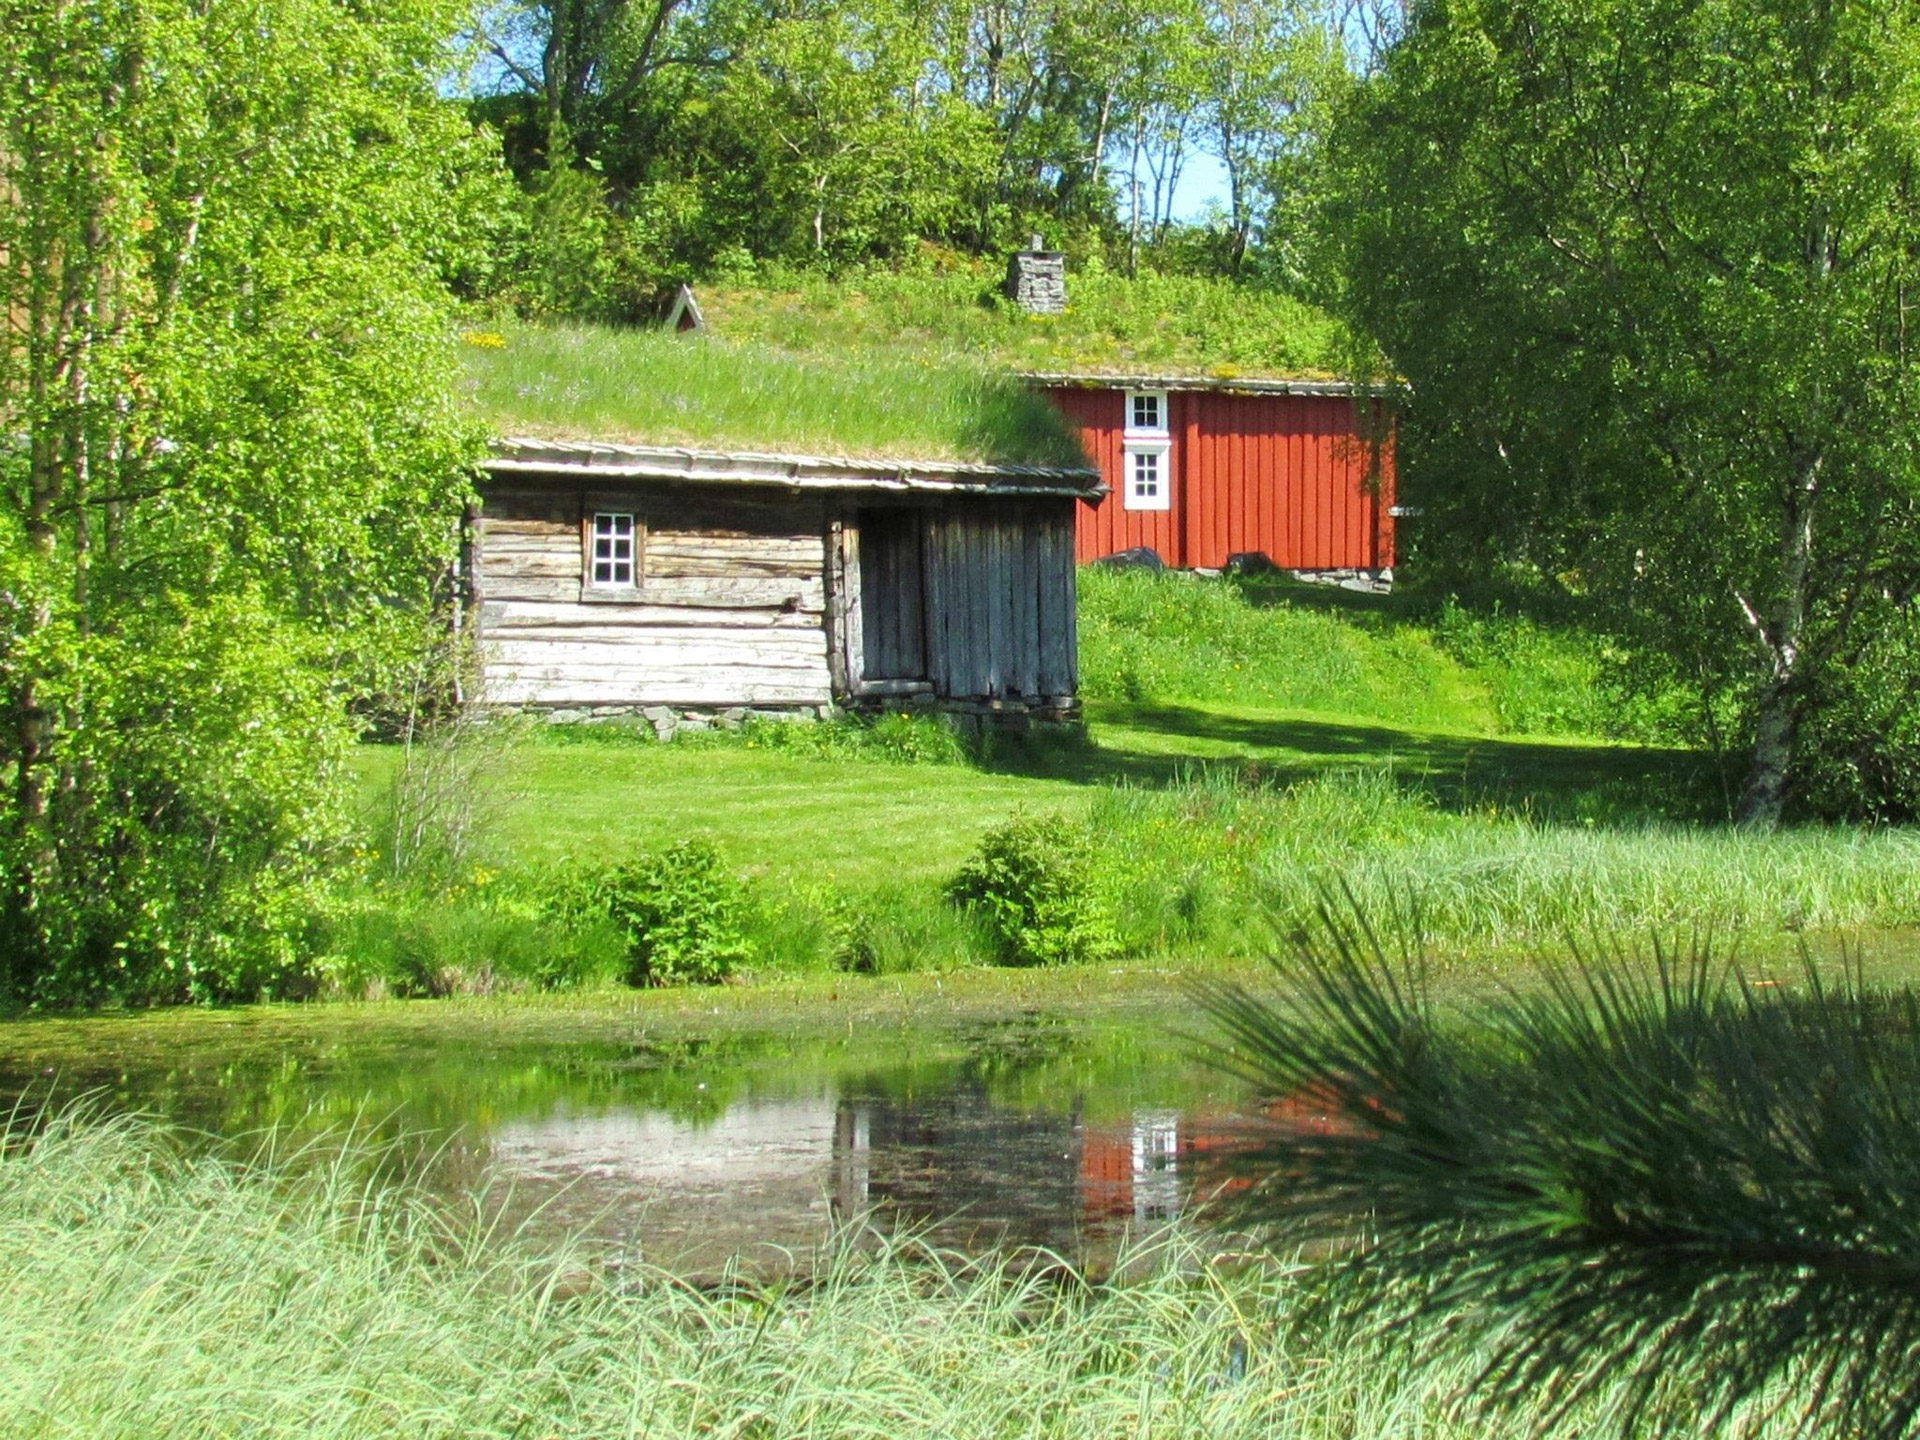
(864, 823)
(1223, 791)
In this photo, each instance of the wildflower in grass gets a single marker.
(484, 339)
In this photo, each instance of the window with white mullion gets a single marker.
(1147, 413)
(1146, 481)
(611, 558)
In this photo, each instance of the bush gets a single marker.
(1858, 753)
(1032, 879)
(682, 912)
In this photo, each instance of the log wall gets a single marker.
(729, 608)
(761, 598)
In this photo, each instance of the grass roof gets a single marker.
(653, 387)
(919, 365)
(1162, 324)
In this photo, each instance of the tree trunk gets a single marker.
(1764, 795)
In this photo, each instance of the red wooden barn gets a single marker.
(1203, 470)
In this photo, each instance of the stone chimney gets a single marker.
(1037, 279)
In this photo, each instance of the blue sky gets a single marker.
(1204, 179)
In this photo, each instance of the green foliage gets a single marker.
(681, 910)
(192, 878)
(1690, 392)
(175, 1291)
(239, 460)
(665, 389)
(863, 130)
(1659, 1184)
(1033, 881)
(1861, 728)
(577, 256)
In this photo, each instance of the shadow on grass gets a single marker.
(1613, 783)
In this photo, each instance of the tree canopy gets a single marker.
(710, 130)
(1647, 267)
(232, 459)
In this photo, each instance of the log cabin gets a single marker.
(687, 586)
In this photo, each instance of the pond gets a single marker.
(685, 1149)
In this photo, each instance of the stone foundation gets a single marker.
(968, 717)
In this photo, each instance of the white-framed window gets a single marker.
(1147, 413)
(1146, 481)
(611, 552)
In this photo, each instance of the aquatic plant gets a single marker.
(1663, 1189)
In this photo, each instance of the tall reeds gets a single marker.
(150, 1293)
(1660, 1195)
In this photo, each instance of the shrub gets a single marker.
(1858, 754)
(682, 912)
(416, 946)
(1032, 879)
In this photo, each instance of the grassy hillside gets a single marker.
(1279, 643)
(1185, 324)
(879, 363)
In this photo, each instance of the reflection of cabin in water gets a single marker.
(618, 579)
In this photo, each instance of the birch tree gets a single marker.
(231, 455)
(1648, 268)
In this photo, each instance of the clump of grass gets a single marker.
(459, 941)
(652, 387)
(1193, 868)
(897, 737)
(157, 1294)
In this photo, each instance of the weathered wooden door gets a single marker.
(893, 629)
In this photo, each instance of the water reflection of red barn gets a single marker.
(1151, 1168)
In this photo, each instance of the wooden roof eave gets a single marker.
(1218, 384)
(589, 461)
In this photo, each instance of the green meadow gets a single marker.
(1251, 748)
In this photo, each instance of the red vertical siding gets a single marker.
(1290, 477)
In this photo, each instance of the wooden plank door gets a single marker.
(892, 591)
